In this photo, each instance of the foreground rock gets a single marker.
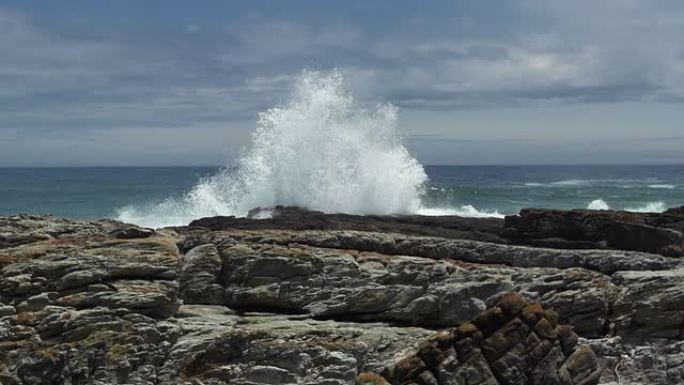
(514, 342)
(311, 299)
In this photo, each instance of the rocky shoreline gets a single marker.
(545, 297)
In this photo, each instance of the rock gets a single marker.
(131, 232)
(269, 375)
(402, 289)
(227, 348)
(628, 362)
(294, 218)
(515, 342)
(82, 265)
(37, 302)
(310, 298)
(7, 310)
(200, 276)
(651, 304)
(655, 233)
(604, 261)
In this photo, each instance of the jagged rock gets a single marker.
(599, 229)
(514, 342)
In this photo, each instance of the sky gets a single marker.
(168, 82)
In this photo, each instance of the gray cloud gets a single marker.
(213, 79)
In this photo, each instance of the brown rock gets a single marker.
(511, 353)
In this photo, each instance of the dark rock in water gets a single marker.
(651, 232)
(514, 342)
(294, 218)
(310, 298)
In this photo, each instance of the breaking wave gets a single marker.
(598, 204)
(650, 207)
(322, 151)
(463, 211)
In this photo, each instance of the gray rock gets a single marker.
(101, 302)
(7, 310)
(36, 302)
(200, 276)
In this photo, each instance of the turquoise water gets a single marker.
(511, 188)
(91, 192)
(101, 192)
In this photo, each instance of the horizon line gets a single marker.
(425, 165)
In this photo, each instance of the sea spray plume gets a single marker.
(321, 151)
(598, 204)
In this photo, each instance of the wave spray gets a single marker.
(322, 151)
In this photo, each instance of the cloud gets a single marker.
(87, 79)
(222, 73)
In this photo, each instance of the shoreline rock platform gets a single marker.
(544, 297)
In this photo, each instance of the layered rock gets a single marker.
(513, 343)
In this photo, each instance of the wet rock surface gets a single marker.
(659, 233)
(309, 298)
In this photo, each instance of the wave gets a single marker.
(463, 211)
(598, 204)
(572, 182)
(651, 207)
(321, 151)
(622, 183)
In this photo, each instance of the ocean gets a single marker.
(464, 190)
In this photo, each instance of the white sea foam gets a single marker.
(463, 211)
(572, 182)
(662, 186)
(598, 204)
(651, 207)
(321, 151)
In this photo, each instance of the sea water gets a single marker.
(461, 190)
